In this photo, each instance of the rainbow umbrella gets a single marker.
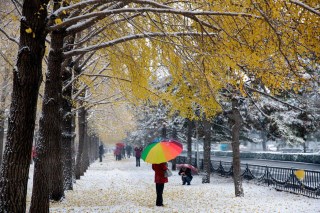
(161, 152)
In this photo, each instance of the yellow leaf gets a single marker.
(29, 30)
(58, 21)
(300, 174)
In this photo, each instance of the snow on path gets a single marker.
(119, 186)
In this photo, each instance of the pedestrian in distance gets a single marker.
(118, 153)
(128, 150)
(186, 176)
(123, 152)
(160, 180)
(101, 152)
(138, 151)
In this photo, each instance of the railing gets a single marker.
(283, 179)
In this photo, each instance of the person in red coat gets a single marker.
(138, 151)
(160, 180)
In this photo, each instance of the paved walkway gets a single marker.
(120, 186)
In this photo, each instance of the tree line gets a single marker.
(211, 50)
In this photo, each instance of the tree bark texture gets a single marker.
(85, 164)
(189, 141)
(67, 117)
(206, 151)
(27, 77)
(4, 91)
(81, 126)
(48, 178)
(236, 125)
(175, 137)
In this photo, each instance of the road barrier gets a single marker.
(303, 182)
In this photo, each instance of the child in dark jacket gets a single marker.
(185, 175)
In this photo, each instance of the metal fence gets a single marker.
(283, 179)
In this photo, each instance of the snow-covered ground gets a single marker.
(120, 186)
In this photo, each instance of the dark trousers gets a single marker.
(137, 161)
(100, 158)
(159, 189)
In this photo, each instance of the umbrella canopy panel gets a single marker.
(161, 152)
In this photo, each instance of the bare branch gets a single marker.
(17, 5)
(9, 37)
(276, 99)
(128, 38)
(305, 6)
(75, 20)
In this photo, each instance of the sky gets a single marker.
(120, 186)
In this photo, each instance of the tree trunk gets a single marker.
(85, 164)
(189, 141)
(73, 129)
(81, 126)
(304, 145)
(206, 151)
(50, 181)
(67, 116)
(264, 140)
(175, 137)
(236, 125)
(4, 91)
(27, 77)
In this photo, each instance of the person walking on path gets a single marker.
(138, 151)
(123, 152)
(128, 150)
(101, 152)
(160, 180)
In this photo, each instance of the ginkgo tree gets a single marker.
(270, 50)
(262, 41)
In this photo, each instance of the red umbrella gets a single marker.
(185, 165)
(120, 144)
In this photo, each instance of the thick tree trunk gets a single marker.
(67, 116)
(4, 90)
(237, 121)
(206, 151)
(27, 78)
(54, 126)
(189, 141)
(50, 134)
(66, 140)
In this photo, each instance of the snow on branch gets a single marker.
(84, 25)
(75, 20)
(128, 38)
(158, 5)
(79, 6)
(274, 98)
